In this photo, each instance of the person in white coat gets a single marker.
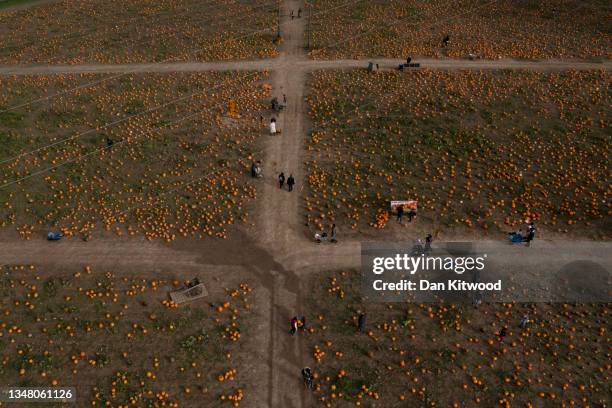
(273, 126)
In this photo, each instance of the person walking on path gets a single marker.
(524, 321)
(256, 170)
(411, 214)
(292, 14)
(477, 301)
(299, 13)
(400, 213)
(290, 182)
(308, 378)
(332, 233)
(361, 322)
(294, 325)
(281, 180)
(285, 99)
(531, 227)
(428, 241)
(530, 233)
(502, 334)
(272, 126)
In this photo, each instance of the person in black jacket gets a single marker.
(290, 182)
(361, 322)
(333, 234)
(530, 234)
(281, 180)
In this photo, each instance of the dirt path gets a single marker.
(303, 257)
(301, 64)
(278, 213)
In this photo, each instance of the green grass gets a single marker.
(10, 119)
(9, 146)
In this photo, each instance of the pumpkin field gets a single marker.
(450, 355)
(93, 330)
(119, 31)
(481, 151)
(485, 29)
(149, 154)
(189, 188)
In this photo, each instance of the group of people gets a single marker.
(520, 236)
(299, 324)
(256, 170)
(420, 249)
(299, 14)
(276, 105)
(332, 236)
(290, 181)
(400, 214)
(522, 324)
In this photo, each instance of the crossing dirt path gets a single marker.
(278, 212)
(302, 258)
(302, 64)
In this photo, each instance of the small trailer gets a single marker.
(411, 65)
(192, 291)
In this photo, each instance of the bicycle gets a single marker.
(419, 250)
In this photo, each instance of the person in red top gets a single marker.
(294, 325)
